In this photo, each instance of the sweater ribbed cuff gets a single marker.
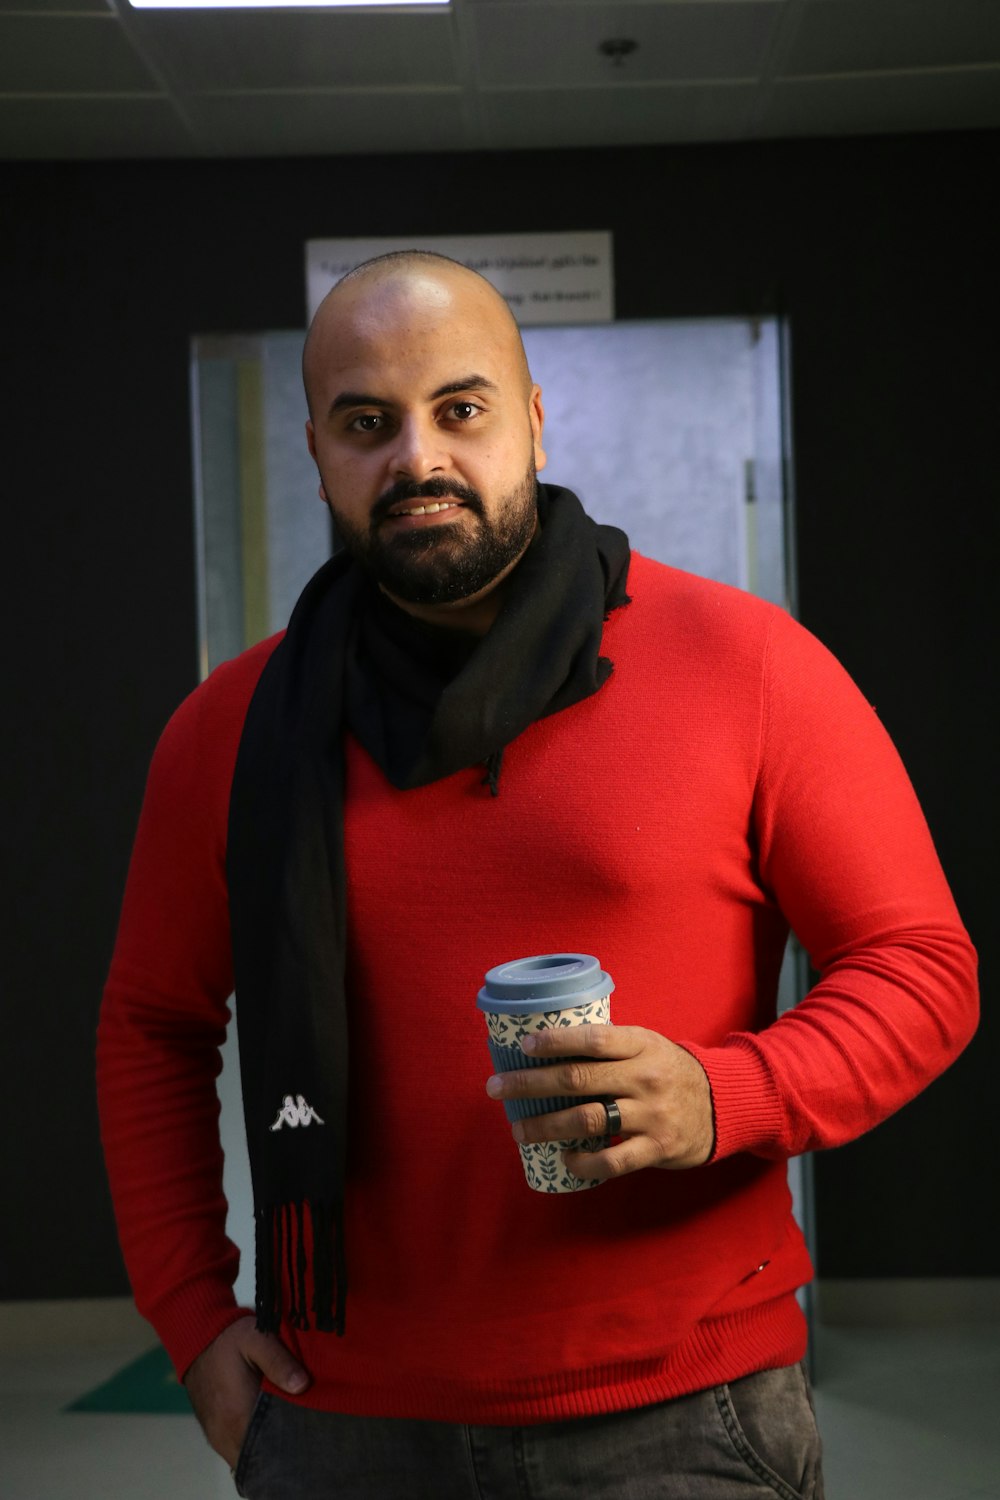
(191, 1317)
(748, 1112)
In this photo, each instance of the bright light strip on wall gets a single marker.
(282, 4)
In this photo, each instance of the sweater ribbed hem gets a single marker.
(768, 1336)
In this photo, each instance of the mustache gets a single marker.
(427, 489)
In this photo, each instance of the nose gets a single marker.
(417, 451)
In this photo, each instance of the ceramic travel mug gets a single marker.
(532, 994)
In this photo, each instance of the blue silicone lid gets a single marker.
(549, 981)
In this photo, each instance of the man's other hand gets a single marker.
(224, 1380)
(662, 1092)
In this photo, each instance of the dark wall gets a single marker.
(878, 253)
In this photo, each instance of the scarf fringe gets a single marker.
(283, 1262)
(492, 778)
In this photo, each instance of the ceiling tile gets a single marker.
(300, 49)
(617, 117)
(48, 54)
(330, 124)
(59, 129)
(32, 7)
(967, 99)
(843, 36)
(559, 43)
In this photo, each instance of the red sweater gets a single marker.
(727, 781)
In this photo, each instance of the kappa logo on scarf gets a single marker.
(295, 1112)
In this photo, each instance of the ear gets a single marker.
(536, 416)
(311, 444)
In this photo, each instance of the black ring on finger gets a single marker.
(614, 1114)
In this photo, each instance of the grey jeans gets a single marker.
(755, 1437)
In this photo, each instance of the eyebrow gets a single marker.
(452, 388)
(469, 383)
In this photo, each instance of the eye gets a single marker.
(367, 421)
(463, 411)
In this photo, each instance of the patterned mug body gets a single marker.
(544, 1168)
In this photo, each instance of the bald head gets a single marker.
(405, 285)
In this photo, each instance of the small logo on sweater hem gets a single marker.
(295, 1112)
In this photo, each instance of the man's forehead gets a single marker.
(428, 353)
(421, 365)
(430, 306)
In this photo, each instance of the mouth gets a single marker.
(430, 509)
(410, 510)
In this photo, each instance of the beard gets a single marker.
(451, 560)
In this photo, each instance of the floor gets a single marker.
(908, 1412)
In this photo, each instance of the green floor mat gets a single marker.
(148, 1384)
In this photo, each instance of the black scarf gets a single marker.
(425, 703)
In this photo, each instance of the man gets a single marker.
(491, 732)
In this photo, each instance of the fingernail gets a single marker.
(529, 1044)
(517, 1131)
(494, 1086)
(296, 1383)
